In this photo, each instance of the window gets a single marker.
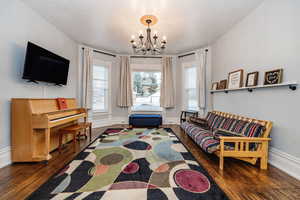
(100, 87)
(146, 88)
(190, 86)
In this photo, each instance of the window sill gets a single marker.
(95, 112)
(146, 108)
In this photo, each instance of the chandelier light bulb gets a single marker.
(164, 38)
(132, 37)
(140, 32)
(155, 33)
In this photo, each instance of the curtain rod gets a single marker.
(145, 57)
(189, 54)
(102, 52)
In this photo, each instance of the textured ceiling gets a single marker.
(108, 25)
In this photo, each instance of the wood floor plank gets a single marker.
(240, 180)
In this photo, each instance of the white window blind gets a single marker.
(100, 88)
(190, 87)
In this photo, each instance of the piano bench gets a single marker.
(74, 130)
(86, 125)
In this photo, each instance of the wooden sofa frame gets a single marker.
(241, 148)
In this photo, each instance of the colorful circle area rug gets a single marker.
(132, 164)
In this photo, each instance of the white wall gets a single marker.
(266, 39)
(20, 24)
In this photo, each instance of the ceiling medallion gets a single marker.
(147, 45)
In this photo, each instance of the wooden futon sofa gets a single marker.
(229, 135)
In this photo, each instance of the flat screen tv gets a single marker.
(43, 65)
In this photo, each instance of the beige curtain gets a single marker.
(167, 95)
(201, 62)
(87, 83)
(125, 89)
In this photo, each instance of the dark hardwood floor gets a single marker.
(239, 180)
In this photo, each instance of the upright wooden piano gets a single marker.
(34, 126)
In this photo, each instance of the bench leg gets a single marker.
(90, 132)
(60, 142)
(74, 142)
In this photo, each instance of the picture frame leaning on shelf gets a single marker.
(235, 79)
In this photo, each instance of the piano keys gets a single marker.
(34, 125)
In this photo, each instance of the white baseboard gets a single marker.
(286, 162)
(108, 122)
(5, 156)
(172, 120)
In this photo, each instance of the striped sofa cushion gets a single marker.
(214, 121)
(253, 130)
(218, 121)
(204, 138)
(227, 123)
(210, 118)
(238, 126)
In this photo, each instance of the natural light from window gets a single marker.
(100, 88)
(146, 88)
(190, 76)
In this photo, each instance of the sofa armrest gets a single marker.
(243, 146)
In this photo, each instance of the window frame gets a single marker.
(185, 65)
(145, 68)
(106, 64)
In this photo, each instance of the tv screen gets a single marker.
(43, 65)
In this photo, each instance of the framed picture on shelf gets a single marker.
(235, 79)
(252, 79)
(215, 86)
(273, 77)
(222, 85)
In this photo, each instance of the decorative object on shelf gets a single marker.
(235, 79)
(185, 114)
(252, 79)
(273, 77)
(290, 85)
(215, 86)
(148, 46)
(222, 85)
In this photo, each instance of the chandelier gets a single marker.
(145, 45)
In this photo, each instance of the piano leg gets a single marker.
(47, 143)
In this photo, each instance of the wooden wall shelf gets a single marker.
(290, 85)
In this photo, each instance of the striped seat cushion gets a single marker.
(204, 138)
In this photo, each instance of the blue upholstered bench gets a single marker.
(142, 120)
